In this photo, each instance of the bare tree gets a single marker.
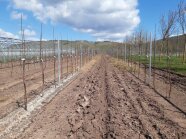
(154, 57)
(146, 49)
(61, 59)
(167, 26)
(41, 58)
(139, 39)
(182, 22)
(23, 73)
(23, 62)
(54, 55)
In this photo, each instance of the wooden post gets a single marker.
(24, 83)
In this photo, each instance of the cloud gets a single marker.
(17, 15)
(107, 20)
(28, 33)
(7, 34)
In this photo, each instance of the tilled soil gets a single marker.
(160, 82)
(12, 90)
(104, 102)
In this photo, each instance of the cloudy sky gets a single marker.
(81, 19)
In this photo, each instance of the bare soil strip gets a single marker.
(19, 119)
(12, 91)
(106, 103)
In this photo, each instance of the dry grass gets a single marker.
(122, 65)
(91, 63)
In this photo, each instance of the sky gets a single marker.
(92, 20)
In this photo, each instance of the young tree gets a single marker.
(54, 54)
(61, 59)
(139, 41)
(182, 22)
(41, 58)
(23, 66)
(154, 57)
(167, 26)
(146, 49)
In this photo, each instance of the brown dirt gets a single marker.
(11, 87)
(104, 102)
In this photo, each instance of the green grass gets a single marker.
(176, 63)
